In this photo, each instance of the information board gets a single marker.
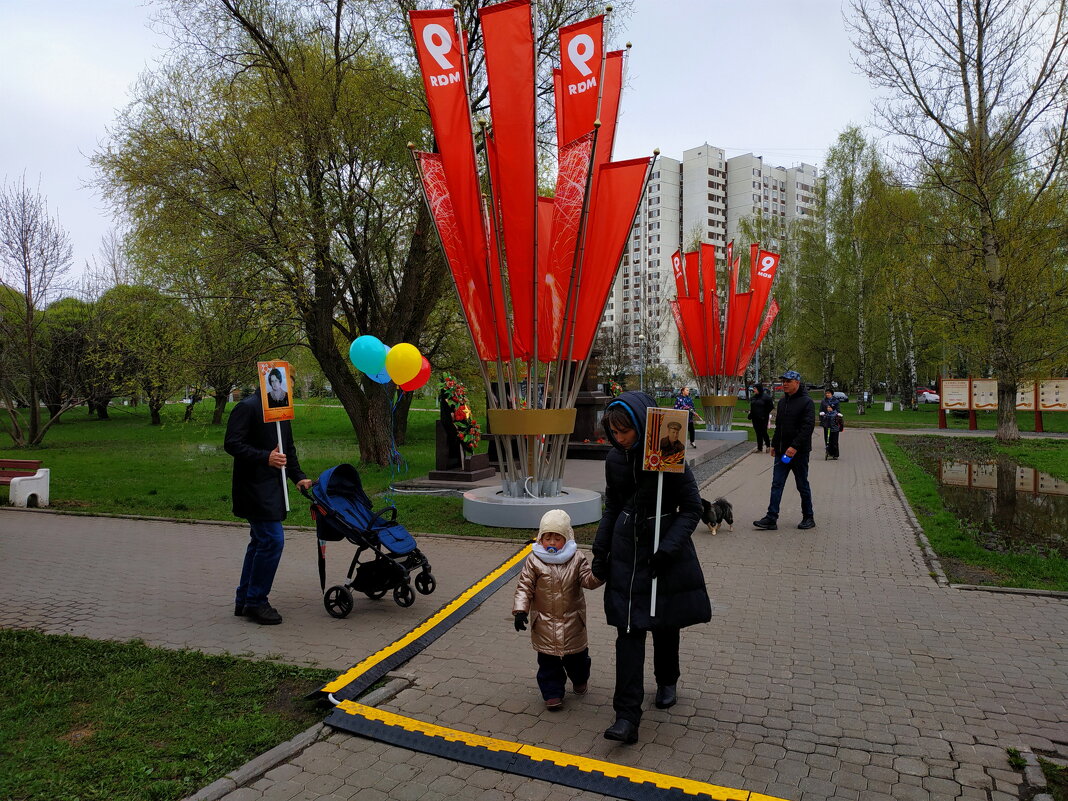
(1053, 395)
(955, 393)
(984, 395)
(1025, 396)
(954, 474)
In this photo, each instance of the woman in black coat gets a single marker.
(623, 557)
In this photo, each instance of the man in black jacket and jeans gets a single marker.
(790, 447)
(258, 497)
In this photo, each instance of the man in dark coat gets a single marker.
(791, 445)
(258, 497)
(760, 406)
(623, 557)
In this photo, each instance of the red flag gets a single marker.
(732, 343)
(471, 290)
(765, 265)
(754, 248)
(681, 291)
(689, 321)
(711, 308)
(684, 336)
(619, 190)
(747, 356)
(558, 105)
(440, 61)
(509, 46)
(572, 172)
(613, 88)
(581, 53)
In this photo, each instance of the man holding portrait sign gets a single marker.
(260, 439)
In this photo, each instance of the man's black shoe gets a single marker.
(239, 610)
(622, 731)
(765, 523)
(808, 522)
(666, 696)
(264, 614)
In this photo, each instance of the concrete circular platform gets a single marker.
(728, 436)
(489, 506)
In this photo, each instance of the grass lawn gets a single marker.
(953, 541)
(82, 719)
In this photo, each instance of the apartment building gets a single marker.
(701, 198)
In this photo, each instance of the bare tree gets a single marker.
(35, 253)
(980, 100)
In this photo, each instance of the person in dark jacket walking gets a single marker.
(760, 406)
(828, 411)
(623, 557)
(791, 446)
(258, 497)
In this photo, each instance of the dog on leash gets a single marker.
(716, 512)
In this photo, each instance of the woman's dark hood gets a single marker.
(635, 403)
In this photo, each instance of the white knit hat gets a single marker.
(556, 521)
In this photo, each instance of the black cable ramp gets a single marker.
(607, 778)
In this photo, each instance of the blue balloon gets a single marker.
(382, 376)
(368, 354)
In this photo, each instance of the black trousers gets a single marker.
(554, 671)
(693, 430)
(832, 443)
(630, 668)
(760, 427)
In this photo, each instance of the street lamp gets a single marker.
(641, 362)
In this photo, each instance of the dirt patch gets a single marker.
(289, 700)
(78, 735)
(959, 572)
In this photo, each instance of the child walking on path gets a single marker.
(833, 423)
(550, 598)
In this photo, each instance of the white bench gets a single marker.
(28, 480)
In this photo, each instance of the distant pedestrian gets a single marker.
(549, 597)
(828, 408)
(684, 400)
(760, 406)
(258, 497)
(795, 418)
(623, 557)
(833, 426)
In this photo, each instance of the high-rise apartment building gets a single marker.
(701, 198)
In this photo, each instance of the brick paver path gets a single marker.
(834, 667)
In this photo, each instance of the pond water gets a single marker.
(1013, 508)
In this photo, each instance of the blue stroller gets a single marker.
(342, 511)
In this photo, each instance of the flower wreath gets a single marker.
(467, 428)
(614, 388)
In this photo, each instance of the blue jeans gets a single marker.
(266, 540)
(799, 467)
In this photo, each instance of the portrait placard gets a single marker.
(955, 394)
(665, 440)
(1053, 395)
(276, 390)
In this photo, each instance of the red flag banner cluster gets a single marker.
(722, 344)
(533, 274)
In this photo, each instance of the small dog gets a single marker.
(717, 512)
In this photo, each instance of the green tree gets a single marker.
(979, 99)
(151, 334)
(35, 253)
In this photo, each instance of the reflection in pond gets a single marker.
(1012, 507)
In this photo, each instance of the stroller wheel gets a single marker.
(404, 595)
(338, 601)
(425, 583)
(374, 595)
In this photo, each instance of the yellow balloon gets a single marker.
(403, 362)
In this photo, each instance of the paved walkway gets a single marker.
(834, 667)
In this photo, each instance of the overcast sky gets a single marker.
(769, 76)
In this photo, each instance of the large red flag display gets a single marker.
(613, 89)
(509, 45)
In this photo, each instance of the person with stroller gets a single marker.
(258, 497)
(623, 557)
(828, 410)
(684, 400)
(760, 406)
(791, 446)
(550, 598)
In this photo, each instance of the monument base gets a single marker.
(488, 506)
(733, 437)
(476, 468)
